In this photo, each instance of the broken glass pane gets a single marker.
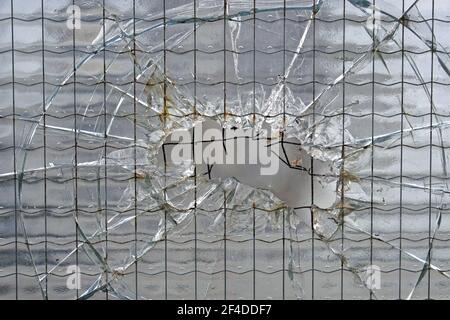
(207, 149)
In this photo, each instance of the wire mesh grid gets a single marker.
(353, 92)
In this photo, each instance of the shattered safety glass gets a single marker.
(224, 149)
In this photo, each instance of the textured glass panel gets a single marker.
(211, 149)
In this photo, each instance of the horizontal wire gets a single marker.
(221, 82)
(199, 19)
(201, 240)
(218, 51)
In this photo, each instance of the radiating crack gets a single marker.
(177, 193)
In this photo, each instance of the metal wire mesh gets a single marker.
(355, 91)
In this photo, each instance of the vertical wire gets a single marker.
(372, 137)
(14, 149)
(282, 135)
(225, 117)
(284, 64)
(312, 159)
(225, 18)
(343, 147)
(165, 162)
(165, 218)
(433, 50)
(284, 249)
(225, 243)
(75, 126)
(135, 152)
(44, 118)
(254, 253)
(105, 146)
(402, 104)
(193, 154)
(254, 62)
(254, 118)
